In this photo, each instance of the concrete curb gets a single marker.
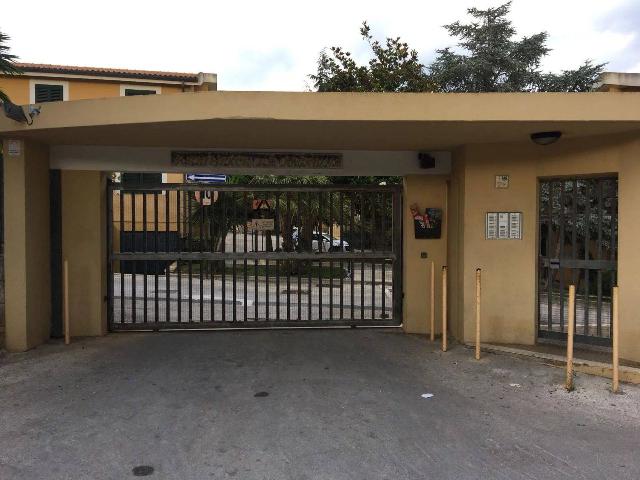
(627, 374)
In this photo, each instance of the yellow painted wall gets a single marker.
(27, 250)
(17, 88)
(509, 266)
(84, 247)
(428, 191)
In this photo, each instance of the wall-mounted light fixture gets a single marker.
(546, 138)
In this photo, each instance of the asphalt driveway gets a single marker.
(323, 404)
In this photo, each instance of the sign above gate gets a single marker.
(270, 160)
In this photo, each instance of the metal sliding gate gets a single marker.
(201, 256)
(578, 237)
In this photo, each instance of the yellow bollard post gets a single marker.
(444, 308)
(615, 383)
(433, 303)
(478, 280)
(65, 299)
(571, 326)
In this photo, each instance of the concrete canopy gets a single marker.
(347, 121)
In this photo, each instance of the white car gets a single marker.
(322, 242)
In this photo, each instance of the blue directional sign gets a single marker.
(206, 178)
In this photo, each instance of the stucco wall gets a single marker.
(509, 266)
(27, 254)
(84, 247)
(17, 88)
(428, 191)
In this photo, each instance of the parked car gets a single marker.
(322, 242)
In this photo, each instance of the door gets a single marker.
(578, 237)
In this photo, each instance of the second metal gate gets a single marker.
(578, 237)
(202, 256)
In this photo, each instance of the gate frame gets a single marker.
(544, 335)
(395, 255)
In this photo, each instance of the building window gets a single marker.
(133, 90)
(43, 91)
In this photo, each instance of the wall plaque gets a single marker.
(503, 226)
(266, 160)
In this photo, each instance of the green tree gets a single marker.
(7, 62)
(492, 59)
(394, 68)
(487, 58)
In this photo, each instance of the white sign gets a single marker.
(206, 197)
(492, 226)
(503, 226)
(502, 181)
(14, 147)
(262, 224)
(515, 226)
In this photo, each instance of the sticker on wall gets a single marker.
(503, 226)
(14, 148)
(502, 181)
(428, 224)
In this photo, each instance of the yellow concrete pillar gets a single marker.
(84, 246)
(427, 191)
(27, 254)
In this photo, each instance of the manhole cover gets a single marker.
(262, 394)
(142, 470)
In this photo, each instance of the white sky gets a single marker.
(273, 45)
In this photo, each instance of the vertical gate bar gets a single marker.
(223, 248)
(289, 240)
(277, 227)
(549, 255)
(297, 247)
(188, 209)
(351, 262)
(308, 263)
(374, 206)
(341, 220)
(110, 246)
(383, 265)
(167, 273)
(234, 222)
(561, 255)
(134, 263)
(180, 227)
(587, 243)
(155, 264)
(599, 277)
(396, 221)
(320, 249)
(256, 294)
(266, 269)
(144, 249)
(614, 247)
(244, 244)
(574, 228)
(330, 249)
(212, 264)
(201, 262)
(362, 228)
(122, 237)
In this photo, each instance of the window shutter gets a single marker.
(48, 93)
(130, 92)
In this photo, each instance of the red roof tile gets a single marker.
(108, 72)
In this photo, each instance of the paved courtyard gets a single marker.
(321, 404)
